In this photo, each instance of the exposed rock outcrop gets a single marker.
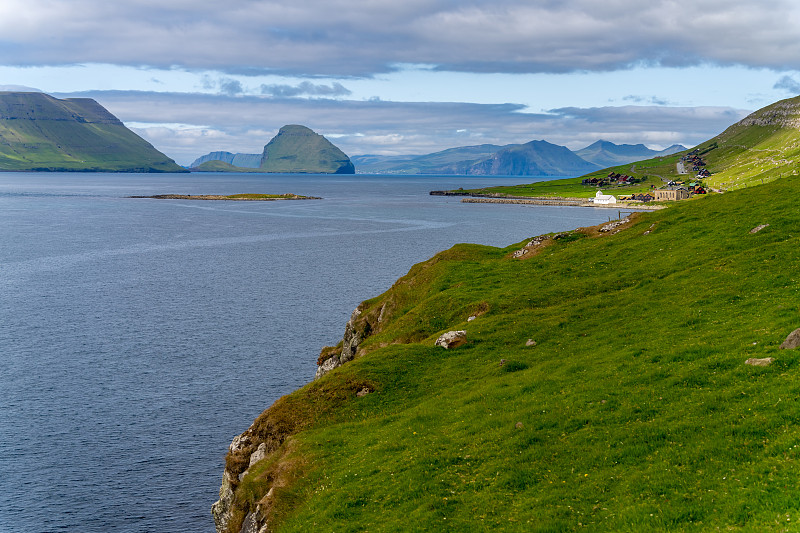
(353, 336)
(784, 114)
(792, 341)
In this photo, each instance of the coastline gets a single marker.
(565, 202)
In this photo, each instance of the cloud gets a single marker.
(305, 89)
(654, 100)
(355, 38)
(230, 87)
(19, 88)
(788, 84)
(246, 123)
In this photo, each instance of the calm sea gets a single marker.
(137, 336)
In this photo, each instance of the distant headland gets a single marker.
(246, 197)
(39, 133)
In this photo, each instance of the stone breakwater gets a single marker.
(569, 202)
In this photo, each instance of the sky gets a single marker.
(412, 77)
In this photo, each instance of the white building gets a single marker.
(604, 199)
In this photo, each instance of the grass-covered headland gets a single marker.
(255, 197)
(603, 387)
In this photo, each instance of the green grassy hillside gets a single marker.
(633, 411)
(762, 147)
(41, 133)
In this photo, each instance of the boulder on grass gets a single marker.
(452, 339)
(792, 341)
(754, 361)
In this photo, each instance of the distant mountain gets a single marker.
(535, 158)
(297, 149)
(42, 133)
(450, 161)
(294, 150)
(237, 160)
(607, 154)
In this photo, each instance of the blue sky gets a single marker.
(413, 77)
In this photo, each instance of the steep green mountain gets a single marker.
(536, 158)
(236, 160)
(607, 154)
(762, 147)
(297, 149)
(42, 133)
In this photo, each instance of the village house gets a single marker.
(647, 197)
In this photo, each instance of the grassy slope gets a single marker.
(56, 141)
(744, 155)
(637, 411)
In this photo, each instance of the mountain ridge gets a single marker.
(41, 133)
(471, 159)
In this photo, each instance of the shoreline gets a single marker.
(564, 202)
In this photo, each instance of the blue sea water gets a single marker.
(138, 336)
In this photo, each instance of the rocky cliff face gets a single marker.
(785, 114)
(269, 437)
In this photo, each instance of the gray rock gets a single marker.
(363, 392)
(259, 454)
(250, 524)
(759, 228)
(452, 339)
(613, 225)
(221, 509)
(530, 342)
(753, 361)
(792, 341)
(327, 366)
(351, 339)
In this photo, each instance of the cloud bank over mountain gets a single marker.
(410, 77)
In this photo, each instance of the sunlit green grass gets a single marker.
(635, 409)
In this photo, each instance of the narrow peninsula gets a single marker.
(246, 197)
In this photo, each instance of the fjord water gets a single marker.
(138, 336)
